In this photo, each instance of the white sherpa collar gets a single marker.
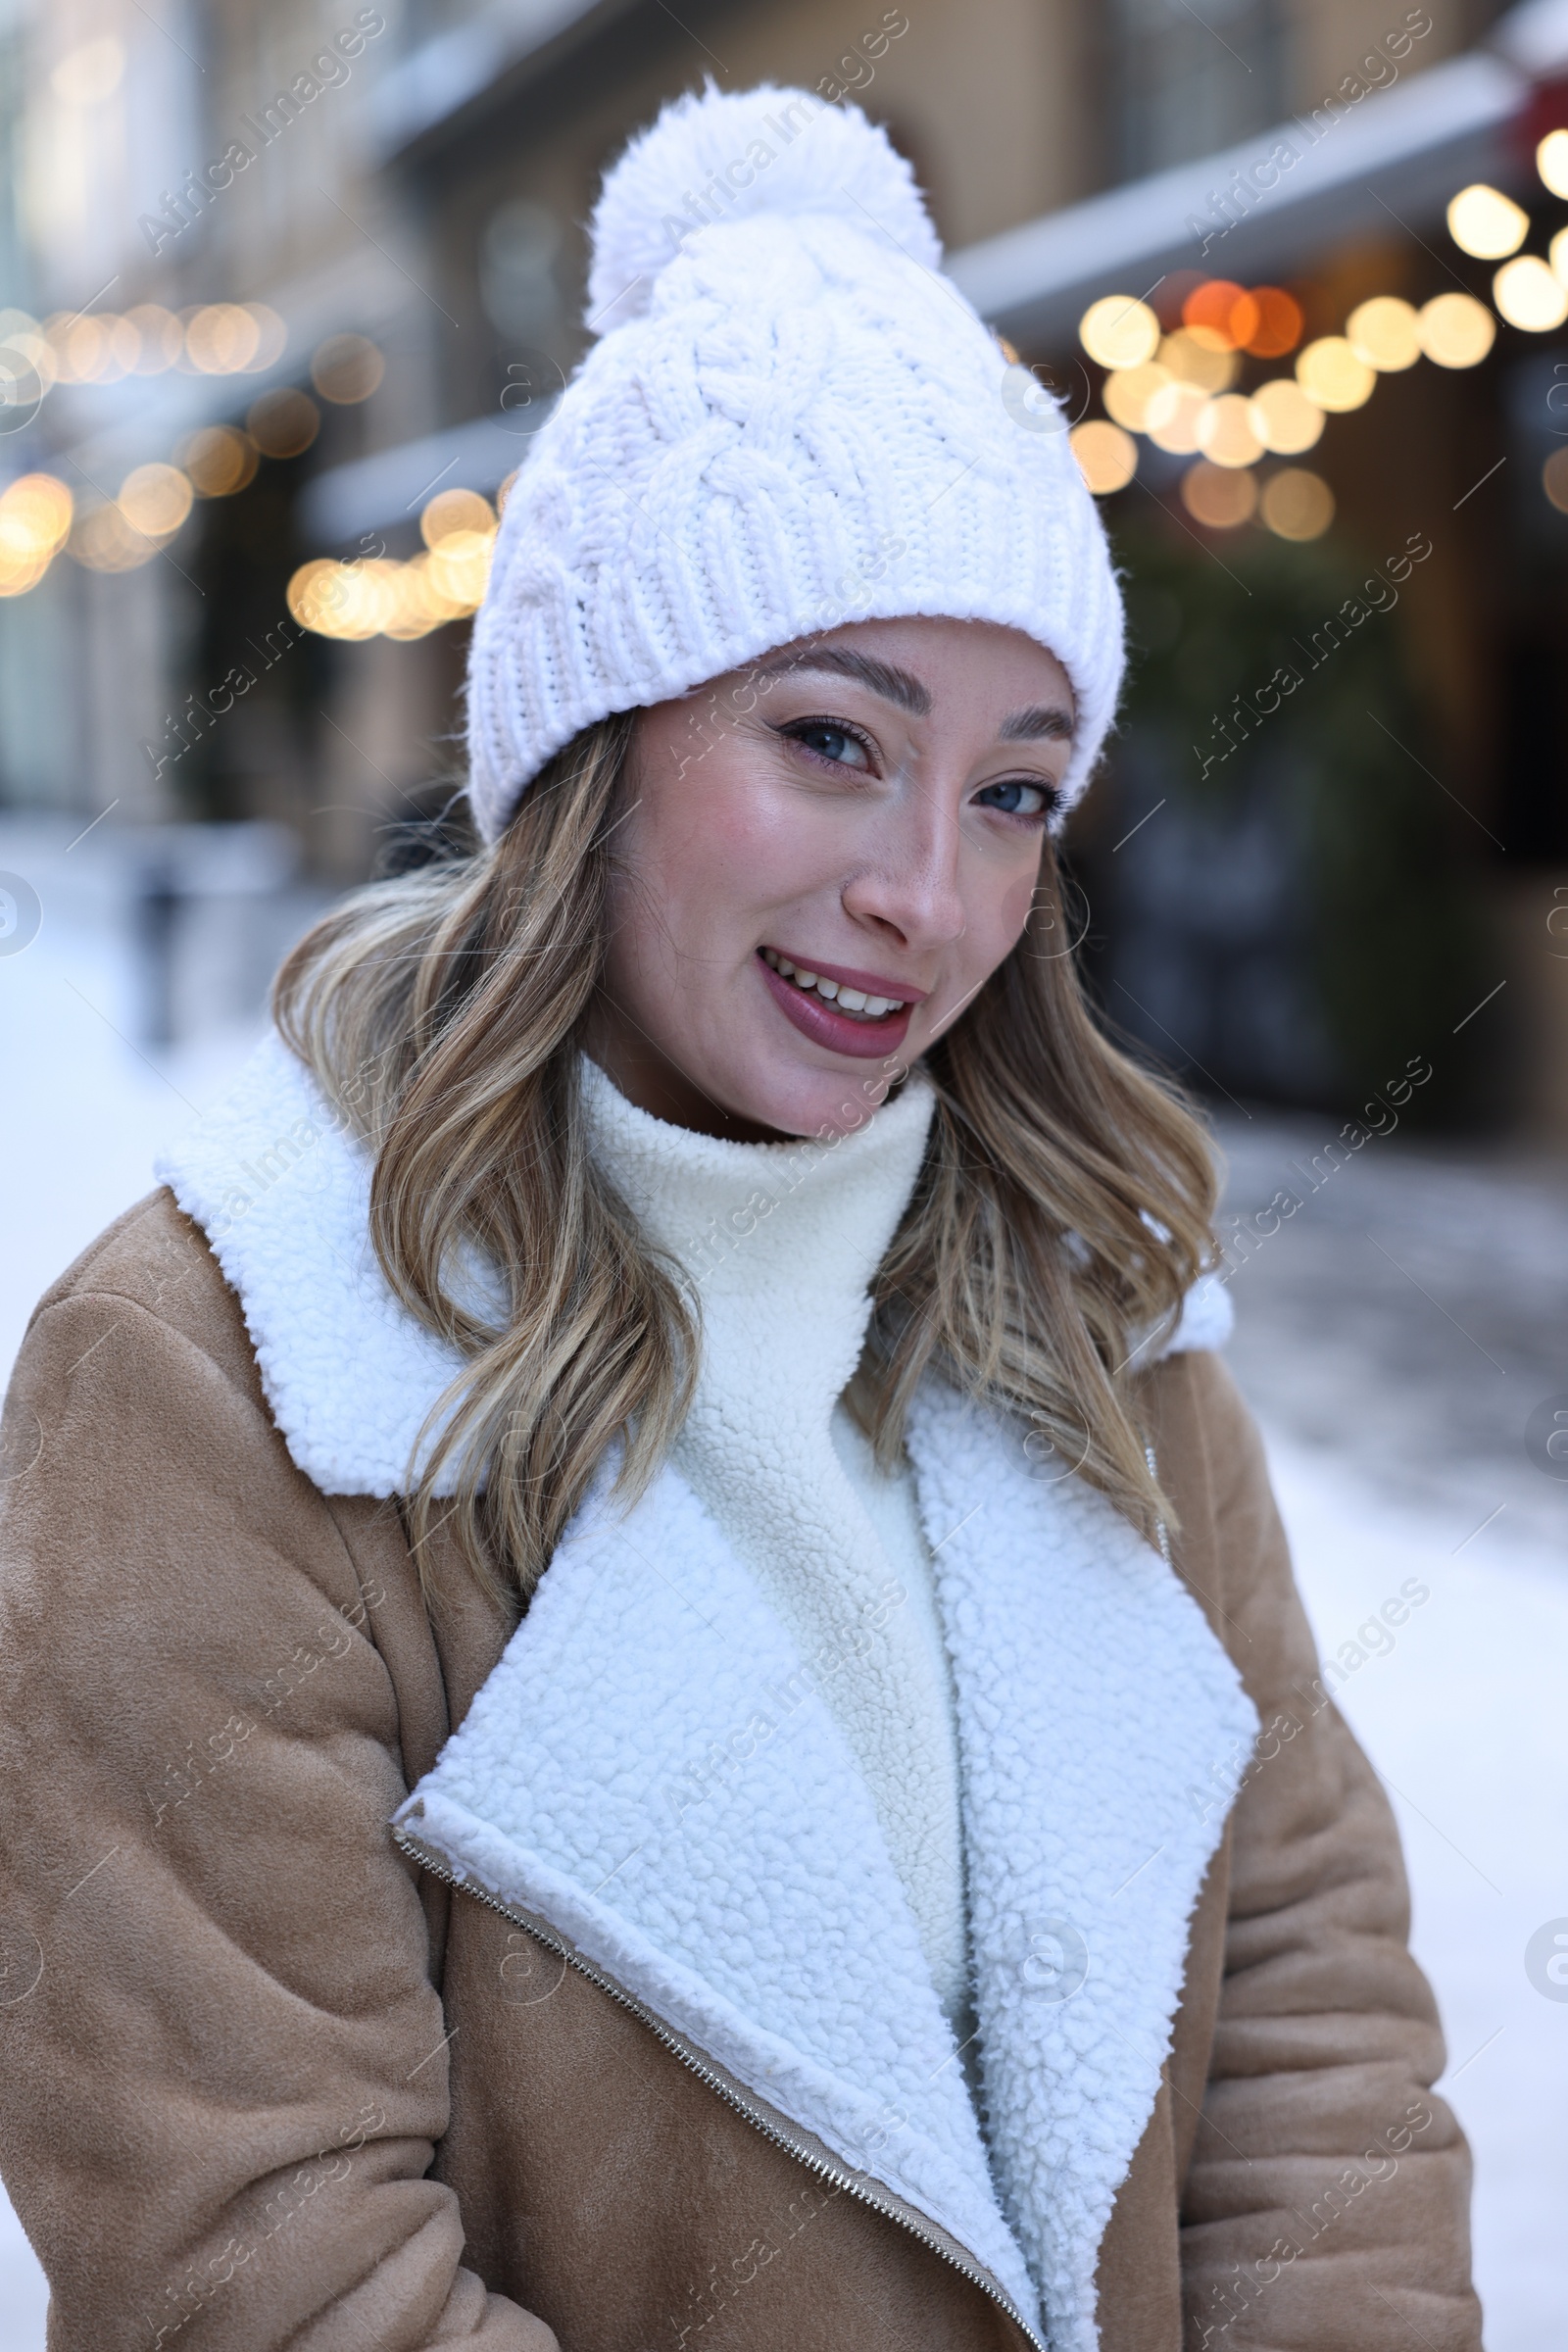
(283, 1189)
(652, 1769)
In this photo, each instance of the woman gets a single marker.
(653, 1694)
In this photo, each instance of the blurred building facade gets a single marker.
(290, 287)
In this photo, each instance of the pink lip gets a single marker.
(847, 976)
(826, 1025)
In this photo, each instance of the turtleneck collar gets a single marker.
(780, 1245)
(791, 1231)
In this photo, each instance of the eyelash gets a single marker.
(797, 730)
(1036, 818)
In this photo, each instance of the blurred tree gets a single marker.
(1285, 901)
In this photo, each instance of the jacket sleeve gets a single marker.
(1325, 2202)
(223, 2071)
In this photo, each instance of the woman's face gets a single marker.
(863, 811)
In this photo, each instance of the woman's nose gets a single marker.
(910, 881)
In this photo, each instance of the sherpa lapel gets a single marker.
(282, 1192)
(650, 1770)
(1092, 1697)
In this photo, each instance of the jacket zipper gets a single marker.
(1159, 1524)
(732, 2095)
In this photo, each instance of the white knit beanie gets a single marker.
(791, 419)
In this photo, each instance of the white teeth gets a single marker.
(852, 999)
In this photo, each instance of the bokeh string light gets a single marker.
(219, 458)
(1218, 497)
(38, 515)
(1528, 294)
(1193, 359)
(1455, 330)
(1385, 333)
(1173, 415)
(1284, 421)
(1334, 377)
(1221, 314)
(1226, 434)
(155, 500)
(283, 423)
(35, 517)
(1280, 323)
(122, 534)
(1486, 223)
(103, 347)
(1120, 331)
(1177, 387)
(347, 369)
(380, 597)
(1107, 456)
(227, 338)
(1130, 391)
(1297, 504)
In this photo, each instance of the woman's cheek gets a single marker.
(1017, 902)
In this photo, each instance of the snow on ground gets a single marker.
(1396, 1334)
(1402, 1333)
(1466, 1720)
(85, 1110)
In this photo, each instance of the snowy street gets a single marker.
(1401, 1335)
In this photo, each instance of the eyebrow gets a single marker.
(1039, 723)
(893, 685)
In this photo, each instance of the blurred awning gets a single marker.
(1386, 162)
(435, 94)
(377, 493)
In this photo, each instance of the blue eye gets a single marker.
(830, 741)
(1016, 797)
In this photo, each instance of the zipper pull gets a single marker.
(1159, 1524)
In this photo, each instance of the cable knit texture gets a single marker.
(779, 1243)
(792, 419)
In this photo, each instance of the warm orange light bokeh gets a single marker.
(1280, 323)
(1221, 314)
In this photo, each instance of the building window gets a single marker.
(1188, 79)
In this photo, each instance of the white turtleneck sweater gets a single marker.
(779, 1243)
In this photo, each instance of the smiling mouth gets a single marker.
(855, 1002)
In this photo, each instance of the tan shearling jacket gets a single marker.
(267, 2079)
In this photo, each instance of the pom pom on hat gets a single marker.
(732, 158)
(790, 421)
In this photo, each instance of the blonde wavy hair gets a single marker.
(1063, 1206)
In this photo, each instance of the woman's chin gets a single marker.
(791, 1097)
